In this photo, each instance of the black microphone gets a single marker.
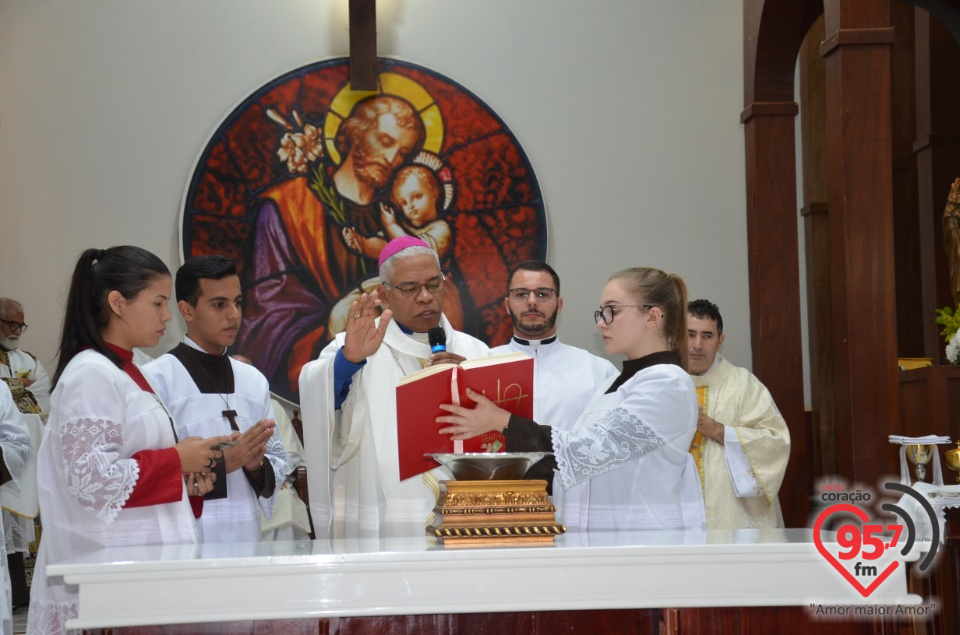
(438, 339)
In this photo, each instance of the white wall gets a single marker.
(627, 109)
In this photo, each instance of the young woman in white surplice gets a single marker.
(111, 469)
(625, 464)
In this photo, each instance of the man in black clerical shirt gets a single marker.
(208, 393)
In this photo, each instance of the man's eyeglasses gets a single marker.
(15, 326)
(608, 312)
(520, 296)
(413, 289)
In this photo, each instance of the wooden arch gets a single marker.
(859, 318)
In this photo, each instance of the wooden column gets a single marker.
(816, 226)
(857, 58)
(773, 259)
(906, 231)
(773, 33)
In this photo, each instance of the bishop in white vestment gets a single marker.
(349, 404)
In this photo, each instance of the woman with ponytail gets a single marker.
(626, 462)
(112, 470)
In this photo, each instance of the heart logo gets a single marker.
(862, 515)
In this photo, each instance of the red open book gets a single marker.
(505, 379)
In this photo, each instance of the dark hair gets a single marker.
(667, 291)
(535, 265)
(199, 267)
(704, 310)
(126, 269)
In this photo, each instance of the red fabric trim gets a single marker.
(196, 503)
(161, 480)
(129, 367)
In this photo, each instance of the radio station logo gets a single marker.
(867, 551)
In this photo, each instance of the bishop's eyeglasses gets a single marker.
(542, 295)
(15, 326)
(411, 289)
(607, 313)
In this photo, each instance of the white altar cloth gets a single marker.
(406, 576)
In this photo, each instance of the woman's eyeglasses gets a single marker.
(608, 312)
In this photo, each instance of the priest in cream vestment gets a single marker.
(742, 445)
(348, 401)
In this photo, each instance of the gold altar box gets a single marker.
(494, 513)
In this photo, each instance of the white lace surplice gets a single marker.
(99, 418)
(625, 463)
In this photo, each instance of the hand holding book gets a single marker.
(501, 384)
(466, 423)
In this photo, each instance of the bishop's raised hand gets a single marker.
(363, 334)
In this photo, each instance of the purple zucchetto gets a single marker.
(399, 244)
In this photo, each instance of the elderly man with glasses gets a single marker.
(348, 401)
(21, 371)
(565, 377)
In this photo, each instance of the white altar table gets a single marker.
(285, 580)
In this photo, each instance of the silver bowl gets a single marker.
(489, 466)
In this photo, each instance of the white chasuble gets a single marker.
(235, 518)
(625, 463)
(565, 378)
(742, 476)
(352, 462)
(99, 418)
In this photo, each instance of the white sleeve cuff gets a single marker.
(745, 482)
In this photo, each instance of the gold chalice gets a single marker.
(953, 460)
(919, 455)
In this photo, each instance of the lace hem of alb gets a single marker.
(48, 618)
(95, 474)
(618, 437)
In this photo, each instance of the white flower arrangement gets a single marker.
(953, 349)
